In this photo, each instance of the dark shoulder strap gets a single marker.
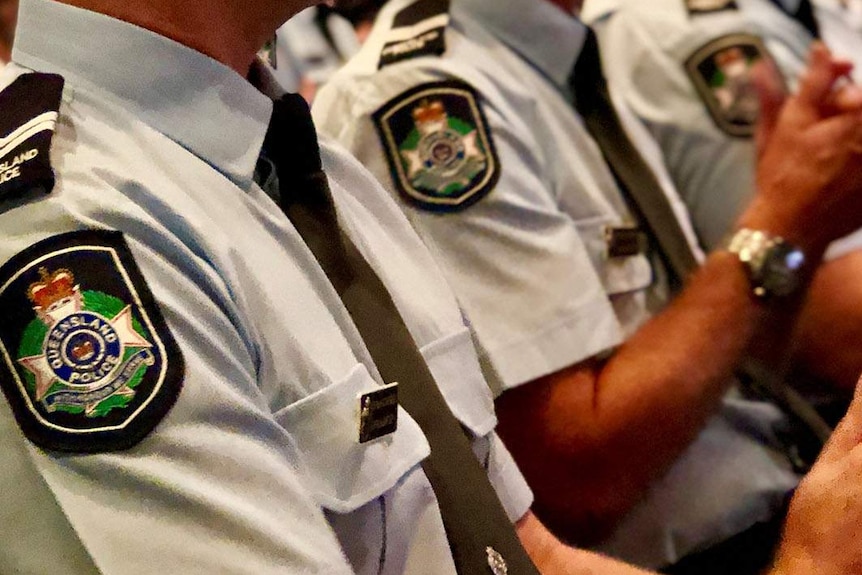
(480, 533)
(804, 15)
(29, 109)
(635, 178)
(417, 30)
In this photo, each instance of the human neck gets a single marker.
(229, 31)
(569, 6)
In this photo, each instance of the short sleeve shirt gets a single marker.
(651, 46)
(527, 261)
(544, 263)
(301, 50)
(263, 434)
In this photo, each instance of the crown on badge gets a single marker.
(427, 112)
(52, 287)
(729, 56)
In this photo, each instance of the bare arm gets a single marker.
(604, 431)
(554, 558)
(823, 533)
(830, 319)
(592, 437)
(824, 526)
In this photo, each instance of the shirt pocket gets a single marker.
(342, 474)
(453, 362)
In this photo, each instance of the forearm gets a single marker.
(829, 334)
(554, 558)
(593, 438)
(660, 388)
(678, 365)
(663, 384)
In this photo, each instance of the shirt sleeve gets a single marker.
(505, 476)
(514, 259)
(844, 246)
(212, 488)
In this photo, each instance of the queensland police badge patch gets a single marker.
(438, 146)
(721, 73)
(86, 360)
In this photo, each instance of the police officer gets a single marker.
(309, 48)
(184, 379)
(666, 64)
(674, 44)
(179, 376)
(624, 418)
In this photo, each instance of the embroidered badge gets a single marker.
(28, 115)
(721, 73)
(86, 360)
(438, 146)
(705, 6)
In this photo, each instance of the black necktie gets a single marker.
(635, 178)
(476, 524)
(804, 15)
(640, 187)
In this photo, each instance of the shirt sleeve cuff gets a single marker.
(592, 331)
(504, 475)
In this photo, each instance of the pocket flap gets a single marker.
(626, 274)
(619, 275)
(455, 367)
(341, 473)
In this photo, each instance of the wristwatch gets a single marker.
(774, 266)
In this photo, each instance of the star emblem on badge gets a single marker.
(84, 344)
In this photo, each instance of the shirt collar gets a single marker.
(594, 10)
(199, 103)
(540, 32)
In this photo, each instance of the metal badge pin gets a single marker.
(625, 241)
(496, 562)
(378, 413)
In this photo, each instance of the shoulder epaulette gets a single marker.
(29, 108)
(706, 6)
(417, 30)
(28, 115)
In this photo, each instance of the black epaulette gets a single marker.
(29, 109)
(417, 30)
(706, 6)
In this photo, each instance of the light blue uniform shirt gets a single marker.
(302, 50)
(646, 46)
(264, 433)
(528, 263)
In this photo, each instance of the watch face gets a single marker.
(779, 274)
